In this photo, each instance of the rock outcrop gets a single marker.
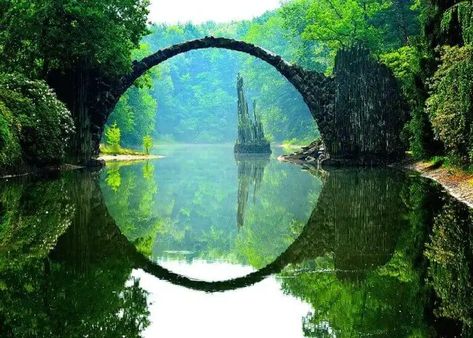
(361, 114)
(251, 137)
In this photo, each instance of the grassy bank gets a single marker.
(108, 150)
(120, 154)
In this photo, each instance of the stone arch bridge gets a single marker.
(346, 106)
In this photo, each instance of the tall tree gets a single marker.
(77, 46)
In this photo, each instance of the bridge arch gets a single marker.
(293, 73)
(309, 84)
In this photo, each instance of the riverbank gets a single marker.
(127, 158)
(456, 182)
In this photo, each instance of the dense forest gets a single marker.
(77, 48)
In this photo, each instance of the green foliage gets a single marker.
(79, 47)
(421, 138)
(283, 114)
(147, 143)
(33, 117)
(39, 36)
(361, 273)
(462, 11)
(114, 179)
(441, 120)
(196, 91)
(113, 136)
(341, 23)
(109, 150)
(379, 25)
(135, 115)
(200, 216)
(40, 290)
(407, 65)
(133, 211)
(450, 253)
(450, 105)
(136, 112)
(10, 150)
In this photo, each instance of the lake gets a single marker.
(205, 244)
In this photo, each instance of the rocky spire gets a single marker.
(251, 137)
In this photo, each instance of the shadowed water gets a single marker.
(200, 244)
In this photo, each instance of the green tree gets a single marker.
(136, 112)
(113, 136)
(407, 64)
(77, 46)
(196, 91)
(67, 35)
(376, 24)
(147, 143)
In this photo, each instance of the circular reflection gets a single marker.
(179, 211)
(358, 229)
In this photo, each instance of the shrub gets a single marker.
(450, 105)
(113, 136)
(407, 64)
(10, 150)
(41, 122)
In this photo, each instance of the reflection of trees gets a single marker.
(359, 273)
(450, 255)
(33, 214)
(193, 215)
(82, 287)
(250, 176)
(358, 261)
(113, 179)
(134, 198)
(322, 238)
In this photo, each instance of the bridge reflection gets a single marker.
(357, 219)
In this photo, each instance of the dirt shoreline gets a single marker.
(457, 183)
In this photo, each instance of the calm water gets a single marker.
(203, 244)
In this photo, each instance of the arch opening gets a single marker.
(192, 98)
(301, 79)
